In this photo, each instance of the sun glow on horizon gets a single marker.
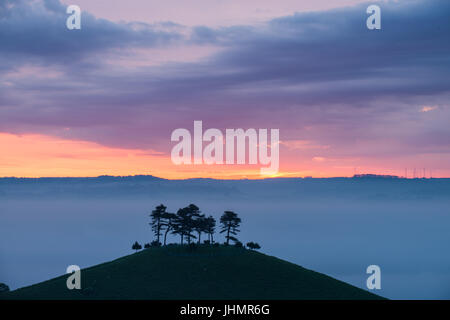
(36, 155)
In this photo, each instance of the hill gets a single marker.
(206, 272)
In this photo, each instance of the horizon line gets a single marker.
(359, 176)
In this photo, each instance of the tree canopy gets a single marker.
(189, 223)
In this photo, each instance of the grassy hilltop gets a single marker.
(206, 272)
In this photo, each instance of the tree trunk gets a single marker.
(228, 234)
(165, 234)
(199, 234)
(158, 230)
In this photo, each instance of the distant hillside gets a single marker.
(365, 187)
(175, 272)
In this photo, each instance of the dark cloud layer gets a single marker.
(35, 31)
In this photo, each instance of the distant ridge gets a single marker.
(141, 177)
(366, 187)
(102, 178)
(375, 176)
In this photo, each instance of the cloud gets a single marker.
(318, 76)
(302, 145)
(35, 32)
(428, 108)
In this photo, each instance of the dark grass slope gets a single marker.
(207, 272)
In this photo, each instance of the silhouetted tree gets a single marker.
(185, 222)
(253, 245)
(157, 216)
(3, 288)
(200, 226)
(168, 223)
(136, 246)
(210, 227)
(147, 245)
(230, 223)
(179, 225)
(155, 243)
(195, 219)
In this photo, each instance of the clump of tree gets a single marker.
(189, 223)
(253, 245)
(136, 246)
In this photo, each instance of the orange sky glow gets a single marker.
(33, 155)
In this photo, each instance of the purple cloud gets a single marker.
(319, 76)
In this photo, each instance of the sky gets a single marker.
(105, 99)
